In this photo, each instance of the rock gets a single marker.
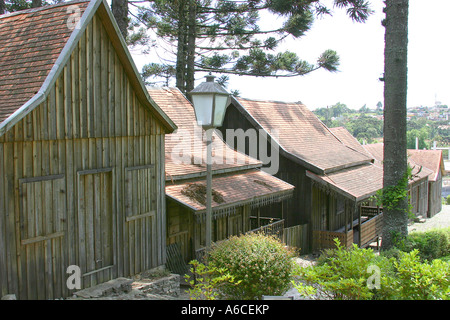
(113, 286)
(9, 297)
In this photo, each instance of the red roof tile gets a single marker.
(431, 159)
(301, 134)
(30, 42)
(420, 170)
(358, 182)
(258, 187)
(350, 141)
(185, 148)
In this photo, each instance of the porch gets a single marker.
(362, 231)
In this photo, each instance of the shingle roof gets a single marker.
(259, 187)
(420, 170)
(358, 182)
(36, 44)
(376, 150)
(301, 134)
(189, 138)
(431, 159)
(350, 141)
(30, 42)
(238, 182)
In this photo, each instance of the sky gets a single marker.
(361, 50)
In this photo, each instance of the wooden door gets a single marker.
(95, 226)
(42, 229)
(140, 220)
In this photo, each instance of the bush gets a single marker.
(349, 274)
(346, 274)
(415, 280)
(261, 264)
(431, 245)
(207, 281)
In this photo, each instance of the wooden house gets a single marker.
(334, 177)
(81, 153)
(432, 160)
(239, 186)
(425, 189)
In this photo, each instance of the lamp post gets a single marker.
(210, 102)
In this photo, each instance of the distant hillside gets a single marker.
(364, 124)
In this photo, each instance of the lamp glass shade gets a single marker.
(203, 108)
(220, 106)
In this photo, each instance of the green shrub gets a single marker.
(343, 273)
(261, 264)
(416, 280)
(431, 244)
(346, 274)
(207, 281)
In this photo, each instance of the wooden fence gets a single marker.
(325, 239)
(371, 230)
(274, 229)
(297, 236)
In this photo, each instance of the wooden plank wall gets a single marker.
(296, 210)
(435, 196)
(297, 237)
(91, 154)
(180, 229)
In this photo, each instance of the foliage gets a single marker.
(361, 124)
(349, 274)
(17, 5)
(416, 280)
(422, 134)
(207, 281)
(261, 264)
(390, 196)
(343, 274)
(431, 244)
(228, 37)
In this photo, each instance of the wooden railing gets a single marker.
(325, 239)
(370, 229)
(275, 228)
(370, 211)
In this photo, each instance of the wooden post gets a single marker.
(359, 223)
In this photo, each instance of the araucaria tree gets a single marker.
(395, 92)
(227, 36)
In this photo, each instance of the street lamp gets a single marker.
(210, 102)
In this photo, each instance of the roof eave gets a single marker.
(333, 187)
(202, 173)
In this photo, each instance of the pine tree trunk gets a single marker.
(180, 69)
(2, 7)
(119, 9)
(395, 90)
(36, 3)
(192, 35)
